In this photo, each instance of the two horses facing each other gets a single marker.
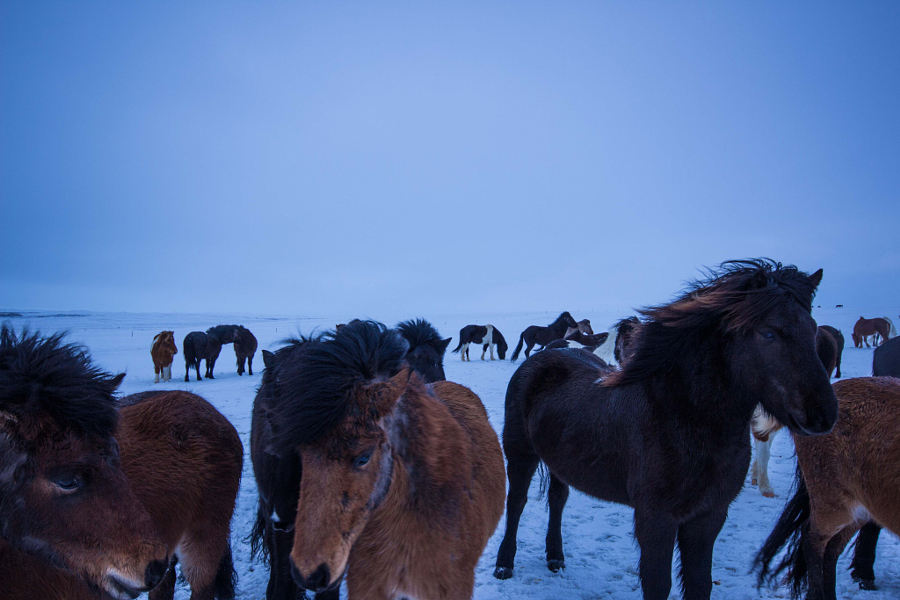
(207, 346)
(698, 368)
(402, 482)
(95, 498)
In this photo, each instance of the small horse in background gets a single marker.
(65, 500)
(839, 340)
(536, 334)
(487, 335)
(866, 327)
(402, 484)
(244, 349)
(698, 368)
(194, 346)
(216, 337)
(615, 349)
(163, 351)
(583, 327)
(764, 426)
(844, 479)
(576, 339)
(426, 349)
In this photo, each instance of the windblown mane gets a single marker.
(419, 332)
(43, 375)
(731, 300)
(316, 385)
(563, 317)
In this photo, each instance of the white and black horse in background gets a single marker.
(614, 349)
(486, 335)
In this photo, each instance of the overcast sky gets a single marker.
(441, 157)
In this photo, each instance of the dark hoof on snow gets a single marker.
(502, 573)
(555, 565)
(868, 585)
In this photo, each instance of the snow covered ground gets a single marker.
(601, 556)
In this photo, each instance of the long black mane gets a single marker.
(564, 317)
(44, 375)
(316, 385)
(419, 332)
(731, 300)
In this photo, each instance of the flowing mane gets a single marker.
(732, 300)
(419, 332)
(316, 386)
(43, 375)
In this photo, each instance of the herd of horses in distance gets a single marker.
(373, 470)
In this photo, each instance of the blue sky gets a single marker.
(355, 157)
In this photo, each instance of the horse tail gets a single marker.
(258, 549)
(226, 577)
(788, 532)
(515, 353)
(460, 344)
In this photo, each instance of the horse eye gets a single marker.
(69, 483)
(362, 459)
(769, 335)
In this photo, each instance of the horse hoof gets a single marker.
(503, 573)
(769, 494)
(556, 564)
(753, 481)
(868, 585)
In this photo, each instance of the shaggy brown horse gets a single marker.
(667, 434)
(535, 334)
(402, 483)
(244, 349)
(844, 479)
(64, 497)
(183, 461)
(866, 327)
(163, 351)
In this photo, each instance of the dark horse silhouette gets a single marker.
(426, 348)
(194, 347)
(486, 335)
(244, 349)
(278, 477)
(839, 340)
(216, 337)
(667, 434)
(535, 334)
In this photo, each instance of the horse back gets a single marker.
(183, 459)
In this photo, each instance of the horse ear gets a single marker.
(816, 278)
(444, 343)
(388, 392)
(115, 382)
(268, 359)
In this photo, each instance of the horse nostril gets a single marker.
(319, 579)
(155, 572)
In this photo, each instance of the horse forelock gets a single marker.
(419, 332)
(732, 300)
(41, 378)
(331, 378)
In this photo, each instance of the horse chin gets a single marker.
(118, 588)
(805, 429)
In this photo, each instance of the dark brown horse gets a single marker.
(839, 341)
(667, 434)
(244, 349)
(402, 483)
(866, 327)
(216, 337)
(163, 351)
(535, 334)
(844, 479)
(65, 501)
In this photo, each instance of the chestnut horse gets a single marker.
(667, 434)
(403, 482)
(65, 501)
(844, 479)
(244, 349)
(535, 334)
(866, 327)
(163, 351)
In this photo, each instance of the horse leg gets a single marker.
(165, 589)
(156, 370)
(814, 544)
(528, 346)
(557, 496)
(863, 564)
(520, 469)
(696, 539)
(832, 553)
(484, 349)
(763, 452)
(197, 366)
(655, 535)
(250, 365)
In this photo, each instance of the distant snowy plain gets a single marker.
(601, 555)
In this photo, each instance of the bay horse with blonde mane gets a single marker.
(402, 482)
(163, 351)
(844, 480)
(667, 433)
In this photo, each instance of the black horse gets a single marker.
(535, 334)
(486, 335)
(217, 337)
(245, 345)
(886, 360)
(426, 349)
(667, 434)
(839, 340)
(194, 347)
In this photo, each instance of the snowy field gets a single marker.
(601, 556)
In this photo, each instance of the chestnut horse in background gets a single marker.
(403, 482)
(163, 351)
(844, 479)
(866, 327)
